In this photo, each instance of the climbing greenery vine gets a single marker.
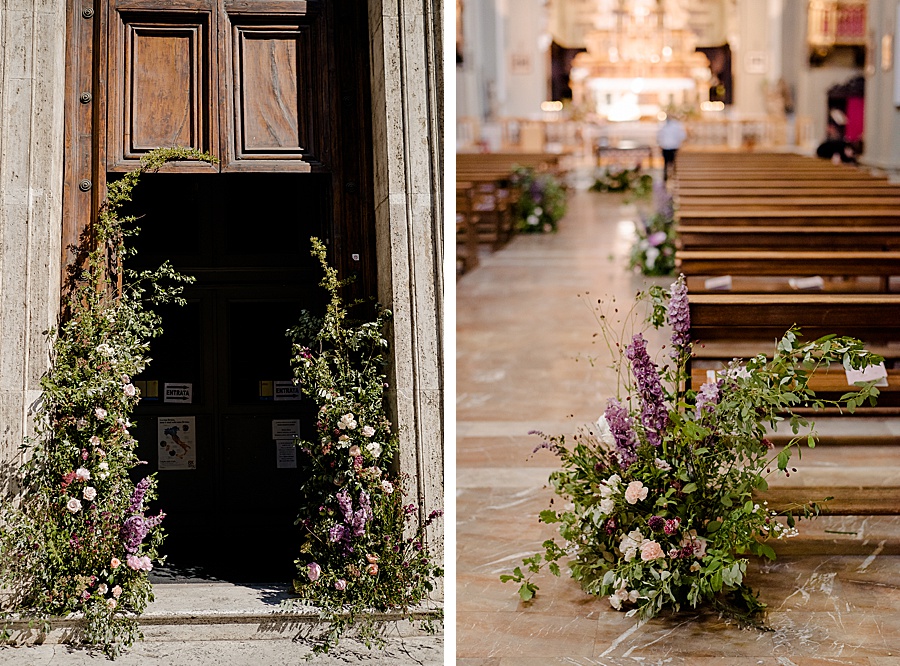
(77, 539)
(364, 547)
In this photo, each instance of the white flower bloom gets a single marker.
(129, 390)
(607, 505)
(104, 470)
(387, 486)
(102, 588)
(82, 474)
(74, 505)
(662, 465)
(347, 422)
(604, 433)
(90, 493)
(538, 210)
(95, 441)
(630, 544)
(374, 448)
(614, 481)
(368, 431)
(652, 256)
(105, 349)
(100, 413)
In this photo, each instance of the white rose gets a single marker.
(608, 505)
(73, 505)
(129, 390)
(604, 433)
(368, 431)
(90, 494)
(374, 448)
(82, 474)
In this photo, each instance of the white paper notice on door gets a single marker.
(177, 442)
(872, 373)
(285, 429)
(286, 454)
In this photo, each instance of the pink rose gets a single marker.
(372, 569)
(111, 604)
(90, 493)
(340, 584)
(133, 562)
(314, 571)
(146, 564)
(371, 559)
(100, 413)
(650, 550)
(368, 431)
(355, 451)
(635, 492)
(114, 563)
(73, 505)
(129, 390)
(117, 591)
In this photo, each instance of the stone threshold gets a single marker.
(221, 611)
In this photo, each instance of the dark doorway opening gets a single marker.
(218, 439)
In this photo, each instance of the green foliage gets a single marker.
(66, 547)
(541, 201)
(667, 517)
(364, 550)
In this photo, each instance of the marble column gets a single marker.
(407, 112)
(882, 121)
(32, 86)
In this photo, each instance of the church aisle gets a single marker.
(524, 339)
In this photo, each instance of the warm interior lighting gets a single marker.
(712, 106)
(551, 106)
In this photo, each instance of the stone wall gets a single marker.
(32, 84)
(407, 94)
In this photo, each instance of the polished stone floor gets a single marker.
(527, 359)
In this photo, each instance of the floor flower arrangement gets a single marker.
(634, 181)
(540, 202)
(365, 548)
(661, 508)
(653, 252)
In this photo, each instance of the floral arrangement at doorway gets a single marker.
(77, 539)
(365, 547)
(633, 182)
(541, 201)
(653, 252)
(662, 507)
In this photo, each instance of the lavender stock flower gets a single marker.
(621, 428)
(654, 413)
(679, 315)
(708, 396)
(345, 504)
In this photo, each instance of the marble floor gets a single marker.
(528, 359)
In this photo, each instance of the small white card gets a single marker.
(871, 373)
(722, 283)
(178, 393)
(811, 283)
(286, 454)
(286, 390)
(285, 429)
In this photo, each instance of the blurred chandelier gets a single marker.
(639, 60)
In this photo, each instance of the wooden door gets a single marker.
(255, 83)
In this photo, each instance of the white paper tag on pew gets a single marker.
(872, 372)
(810, 283)
(722, 283)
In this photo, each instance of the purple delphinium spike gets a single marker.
(708, 396)
(662, 201)
(345, 504)
(679, 315)
(620, 426)
(654, 413)
(137, 497)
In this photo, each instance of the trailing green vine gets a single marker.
(76, 540)
(364, 549)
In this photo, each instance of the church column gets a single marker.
(407, 114)
(32, 89)
(750, 45)
(882, 121)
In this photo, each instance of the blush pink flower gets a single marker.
(111, 604)
(133, 562)
(100, 413)
(372, 569)
(355, 451)
(81, 474)
(95, 441)
(90, 493)
(117, 591)
(74, 505)
(129, 390)
(368, 431)
(650, 550)
(635, 492)
(340, 584)
(314, 571)
(114, 563)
